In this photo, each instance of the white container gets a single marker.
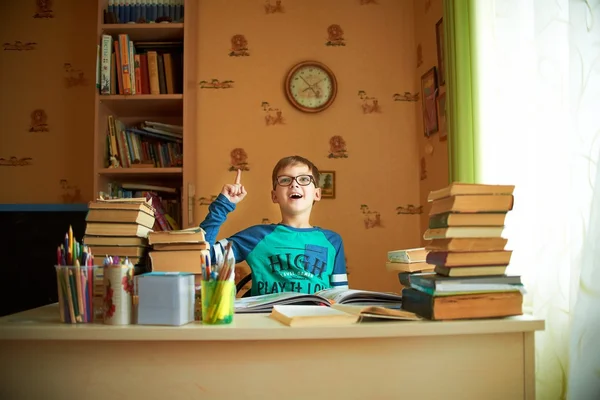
(165, 298)
(118, 294)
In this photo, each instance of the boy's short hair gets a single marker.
(293, 160)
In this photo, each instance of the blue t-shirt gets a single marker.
(282, 258)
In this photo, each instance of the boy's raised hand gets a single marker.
(235, 192)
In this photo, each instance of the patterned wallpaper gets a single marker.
(47, 73)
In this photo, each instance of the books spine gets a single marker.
(125, 64)
(105, 64)
(153, 72)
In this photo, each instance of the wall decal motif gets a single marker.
(423, 174)
(20, 46)
(406, 96)
(38, 121)
(73, 77)
(409, 209)
(419, 55)
(70, 193)
(335, 36)
(272, 9)
(15, 162)
(216, 84)
(205, 201)
(273, 116)
(265, 221)
(371, 218)
(363, 2)
(43, 9)
(239, 160)
(337, 147)
(369, 104)
(239, 46)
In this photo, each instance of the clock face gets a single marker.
(311, 86)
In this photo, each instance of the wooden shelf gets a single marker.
(143, 104)
(145, 32)
(141, 172)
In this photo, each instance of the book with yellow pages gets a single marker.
(116, 229)
(190, 235)
(459, 189)
(473, 204)
(119, 215)
(135, 203)
(337, 314)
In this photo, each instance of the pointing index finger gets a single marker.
(238, 178)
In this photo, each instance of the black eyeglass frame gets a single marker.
(295, 178)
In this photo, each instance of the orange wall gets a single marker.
(382, 168)
(38, 79)
(434, 149)
(381, 172)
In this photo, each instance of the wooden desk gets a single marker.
(257, 357)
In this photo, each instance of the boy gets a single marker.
(291, 256)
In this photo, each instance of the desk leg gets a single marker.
(529, 365)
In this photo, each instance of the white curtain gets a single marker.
(539, 128)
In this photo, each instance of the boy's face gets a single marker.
(295, 199)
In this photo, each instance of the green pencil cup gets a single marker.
(75, 293)
(218, 302)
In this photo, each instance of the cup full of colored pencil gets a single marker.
(218, 290)
(75, 280)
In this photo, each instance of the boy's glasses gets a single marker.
(303, 180)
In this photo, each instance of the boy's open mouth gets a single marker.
(295, 196)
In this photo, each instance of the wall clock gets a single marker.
(310, 86)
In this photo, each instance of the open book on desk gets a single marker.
(328, 297)
(337, 314)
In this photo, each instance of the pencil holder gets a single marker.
(118, 292)
(218, 298)
(75, 286)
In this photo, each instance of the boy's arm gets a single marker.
(339, 277)
(230, 195)
(217, 214)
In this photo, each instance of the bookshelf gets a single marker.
(176, 108)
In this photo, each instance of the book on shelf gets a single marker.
(337, 314)
(142, 13)
(408, 267)
(449, 219)
(137, 147)
(116, 229)
(140, 67)
(123, 216)
(121, 251)
(445, 284)
(464, 259)
(467, 244)
(94, 240)
(414, 255)
(134, 204)
(464, 232)
(189, 235)
(464, 306)
(327, 297)
(177, 261)
(462, 189)
(472, 270)
(181, 246)
(472, 204)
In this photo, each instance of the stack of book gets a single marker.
(120, 227)
(466, 222)
(407, 262)
(178, 250)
